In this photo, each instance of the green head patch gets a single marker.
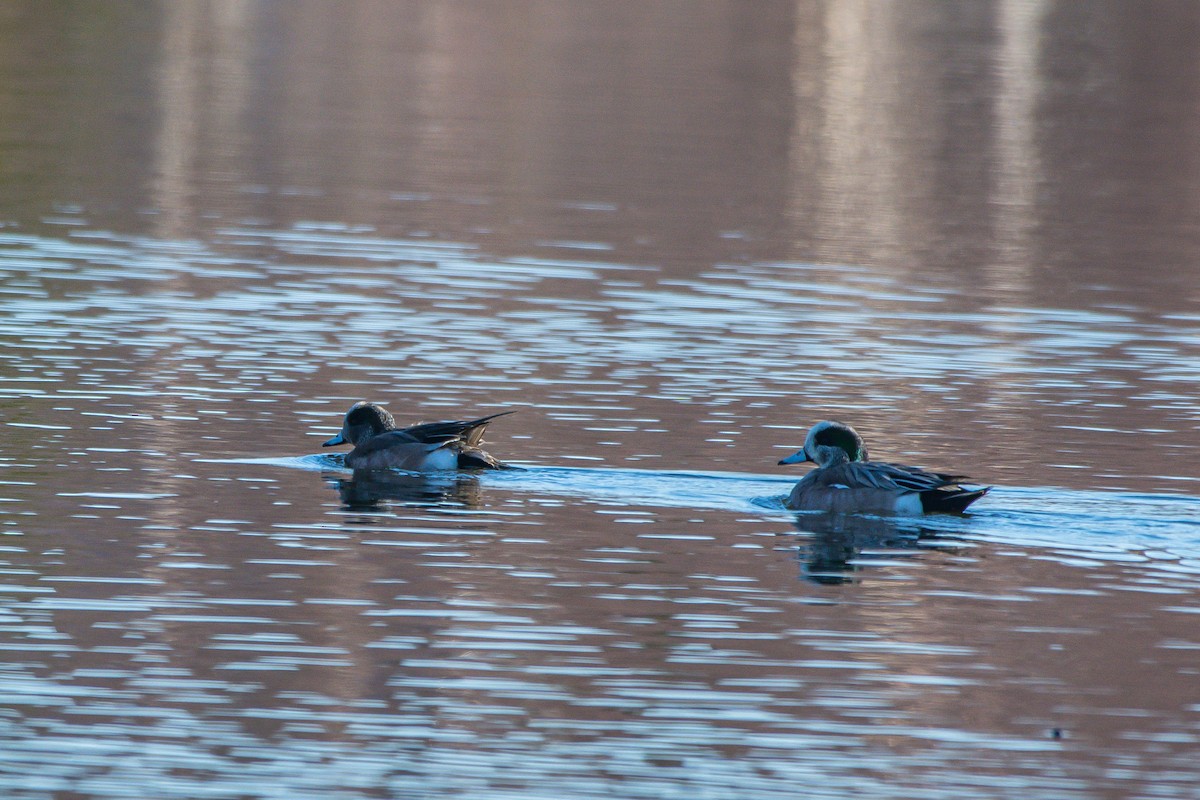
(844, 437)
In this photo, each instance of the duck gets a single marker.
(845, 480)
(429, 447)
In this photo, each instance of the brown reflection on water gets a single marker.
(679, 634)
(1013, 182)
(1041, 149)
(1034, 148)
(1020, 155)
(479, 118)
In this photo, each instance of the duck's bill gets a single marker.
(795, 458)
(339, 439)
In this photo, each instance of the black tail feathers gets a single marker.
(950, 499)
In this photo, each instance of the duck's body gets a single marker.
(845, 481)
(431, 447)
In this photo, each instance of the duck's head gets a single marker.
(828, 443)
(363, 421)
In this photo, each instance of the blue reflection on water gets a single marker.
(1106, 525)
(699, 638)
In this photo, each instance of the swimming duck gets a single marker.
(379, 444)
(846, 482)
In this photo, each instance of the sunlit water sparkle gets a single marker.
(671, 244)
(204, 594)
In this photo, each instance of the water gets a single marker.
(671, 237)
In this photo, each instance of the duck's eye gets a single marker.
(359, 416)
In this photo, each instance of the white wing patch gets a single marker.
(909, 504)
(441, 458)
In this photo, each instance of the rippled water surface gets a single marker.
(672, 237)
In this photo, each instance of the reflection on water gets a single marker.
(677, 234)
(836, 547)
(375, 490)
(565, 620)
(717, 369)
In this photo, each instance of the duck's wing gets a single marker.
(470, 432)
(886, 477)
(396, 441)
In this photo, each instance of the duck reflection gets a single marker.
(832, 551)
(374, 490)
